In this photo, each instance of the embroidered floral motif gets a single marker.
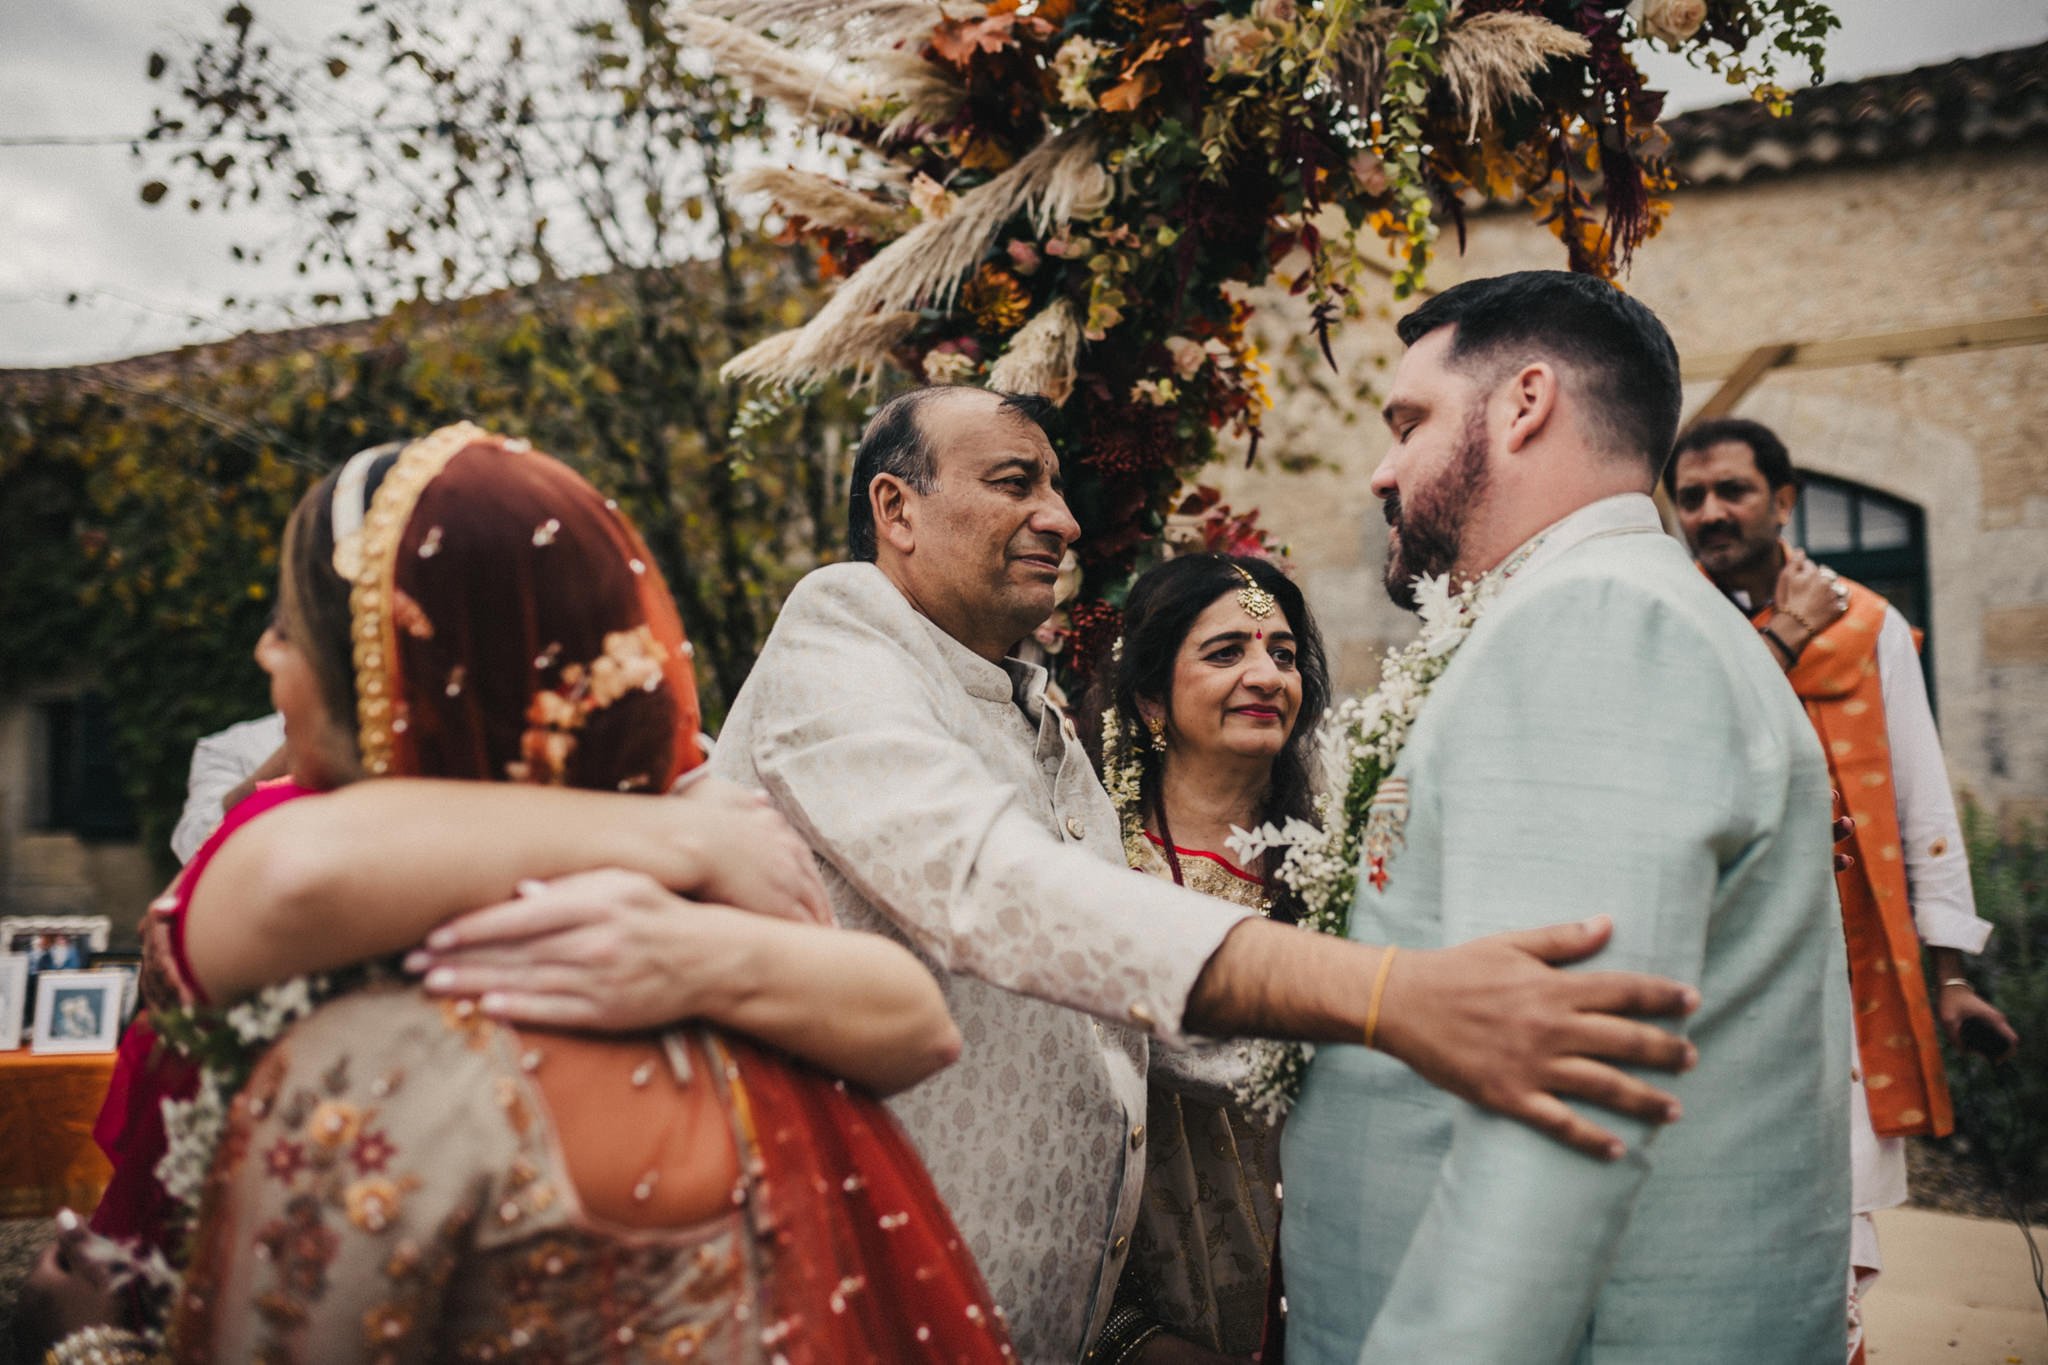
(334, 1125)
(461, 1017)
(1385, 819)
(285, 1160)
(386, 1325)
(372, 1151)
(631, 662)
(374, 1202)
(410, 615)
(300, 1247)
(404, 1261)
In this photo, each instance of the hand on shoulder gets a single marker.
(748, 854)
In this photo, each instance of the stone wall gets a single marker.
(49, 872)
(1803, 257)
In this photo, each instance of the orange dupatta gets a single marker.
(1837, 682)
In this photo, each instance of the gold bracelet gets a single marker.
(1962, 981)
(1379, 990)
(1801, 621)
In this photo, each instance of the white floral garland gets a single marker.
(194, 1128)
(1361, 742)
(225, 1046)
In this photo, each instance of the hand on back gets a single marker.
(1492, 1021)
(609, 950)
(750, 856)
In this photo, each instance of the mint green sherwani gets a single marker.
(1610, 739)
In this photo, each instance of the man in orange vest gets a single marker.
(1852, 659)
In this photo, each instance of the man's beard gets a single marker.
(1727, 551)
(1429, 527)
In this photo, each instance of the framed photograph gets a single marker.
(129, 963)
(53, 943)
(78, 1011)
(13, 998)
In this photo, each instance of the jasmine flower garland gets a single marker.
(1362, 741)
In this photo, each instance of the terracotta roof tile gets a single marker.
(1998, 98)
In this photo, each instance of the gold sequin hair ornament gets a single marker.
(1256, 601)
(373, 573)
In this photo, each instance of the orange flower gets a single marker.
(996, 300)
(384, 1325)
(334, 1124)
(372, 1203)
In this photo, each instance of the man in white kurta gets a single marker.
(225, 765)
(1734, 487)
(952, 808)
(941, 790)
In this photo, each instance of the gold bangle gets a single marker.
(1379, 990)
(1123, 1336)
(99, 1345)
(1962, 981)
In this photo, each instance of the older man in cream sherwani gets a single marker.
(952, 808)
(1608, 737)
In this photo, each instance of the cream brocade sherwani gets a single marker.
(953, 810)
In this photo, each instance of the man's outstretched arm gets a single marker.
(1492, 1021)
(956, 862)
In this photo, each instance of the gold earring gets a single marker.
(1156, 727)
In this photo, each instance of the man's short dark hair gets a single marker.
(1614, 344)
(1773, 461)
(894, 443)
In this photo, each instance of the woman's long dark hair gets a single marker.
(1160, 611)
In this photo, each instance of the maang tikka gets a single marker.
(1256, 601)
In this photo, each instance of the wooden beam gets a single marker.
(1747, 374)
(2028, 329)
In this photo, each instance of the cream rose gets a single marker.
(1672, 21)
(1235, 44)
(1188, 355)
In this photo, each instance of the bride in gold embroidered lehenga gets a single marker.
(405, 1179)
(1209, 713)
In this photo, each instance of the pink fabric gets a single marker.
(130, 1129)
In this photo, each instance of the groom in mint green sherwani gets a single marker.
(1609, 739)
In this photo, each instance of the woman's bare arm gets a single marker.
(613, 951)
(369, 869)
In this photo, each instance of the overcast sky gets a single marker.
(71, 224)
